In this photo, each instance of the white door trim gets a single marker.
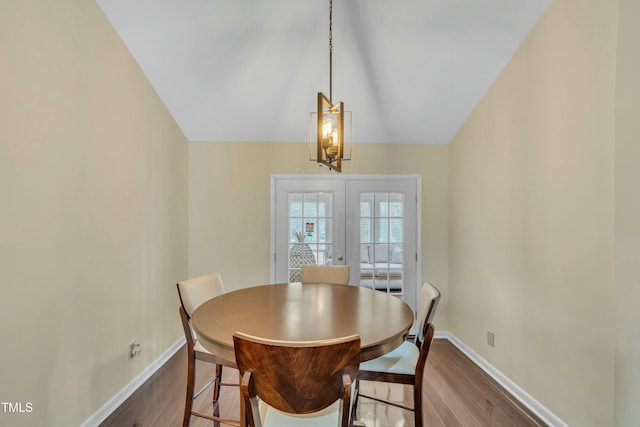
(345, 178)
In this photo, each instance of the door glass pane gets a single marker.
(295, 205)
(382, 204)
(366, 227)
(310, 204)
(366, 205)
(310, 228)
(382, 241)
(382, 229)
(395, 230)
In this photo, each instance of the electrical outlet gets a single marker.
(134, 349)
(490, 338)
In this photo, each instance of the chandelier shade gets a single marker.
(330, 136)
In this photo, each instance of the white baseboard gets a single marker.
(518, 393)
(107, 409)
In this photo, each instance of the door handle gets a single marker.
(340, 258)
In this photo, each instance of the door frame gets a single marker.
(345, 178)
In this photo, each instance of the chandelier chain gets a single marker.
(330, 50)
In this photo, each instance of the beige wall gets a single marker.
(229, 203)
(532, 213)
(518, 213)
(93, 218)
(628, 216)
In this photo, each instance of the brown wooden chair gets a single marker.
(296, 383)
(192, 293)
(338, 274)
(405, 364)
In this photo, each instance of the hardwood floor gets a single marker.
(457, 393)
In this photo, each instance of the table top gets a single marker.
(309, 312)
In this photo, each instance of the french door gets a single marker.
(309, 224)
(370, 223)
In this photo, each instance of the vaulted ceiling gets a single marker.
(411, 71)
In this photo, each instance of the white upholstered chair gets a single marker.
(338, 274)
(405, 364)
(280, 389)
(193, 292)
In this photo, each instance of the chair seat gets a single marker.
(402, 360)
(329, 416)
(198, 347)
(271, 417)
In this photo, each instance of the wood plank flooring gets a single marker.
(457, 393)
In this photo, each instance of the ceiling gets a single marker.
(411, 71)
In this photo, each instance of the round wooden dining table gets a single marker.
(303, 312)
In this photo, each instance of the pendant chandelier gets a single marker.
(330, 134)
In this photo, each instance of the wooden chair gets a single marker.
(192, 293)
(338, 274)
(296, 383)
(405, 364)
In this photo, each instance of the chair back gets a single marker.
(195, 291)
(297, 377)
(337, 274)
(427, 304)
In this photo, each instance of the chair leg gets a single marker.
(191, 383)
(356, 395)
(216, 385)
(216, 394)
(417, 403)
